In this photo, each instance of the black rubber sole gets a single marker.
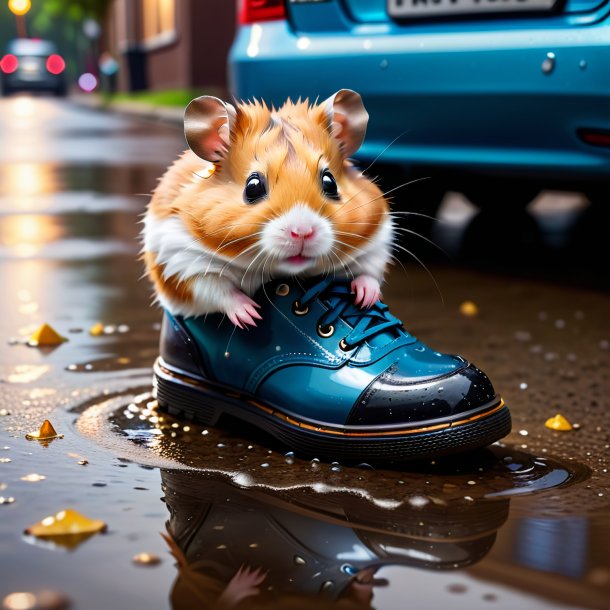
(188, 397)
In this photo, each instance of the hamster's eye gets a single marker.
(255, 188)
(329, 185)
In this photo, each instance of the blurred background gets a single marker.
(503, 114)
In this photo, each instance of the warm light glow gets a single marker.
(24, 180)
(26, 234)
(55, 64)
(23, 107)
(19, 7)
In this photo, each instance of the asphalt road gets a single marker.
(524, 524)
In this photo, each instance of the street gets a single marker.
(525, 523)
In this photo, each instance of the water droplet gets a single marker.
(204, 432)
(254, 545)
(4, 412)
(33, 478)
(265, 465)
(421, 348)
(457, 588)
(146, 559)
(582, 64)
(523, 335)
(335, 468)
(418, 501)
(43, 600)
(604, 344)
(441, 389)
(327, 585)
(472, 482)
(560, 323)
(7, 500)
(227, 354)
(523, 385)
(299, 561)
(523, 432)
(5, 460)
(220, 547)
(548, 65)
(383, 64)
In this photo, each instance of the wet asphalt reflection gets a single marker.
(522, 524)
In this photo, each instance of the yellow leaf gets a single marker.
(97, 329)
(65, 523)
(46, 433)
(469, 309)
(45, 335)
(559, 422)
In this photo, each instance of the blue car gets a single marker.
(515, 92)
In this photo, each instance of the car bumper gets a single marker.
(476, 99)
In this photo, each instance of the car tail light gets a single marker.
(261, 10)
(9, 64)
(595, 137)
(55, 64)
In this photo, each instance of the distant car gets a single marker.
(483, 92)
(32, 65)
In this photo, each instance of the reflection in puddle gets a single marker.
(312, 549)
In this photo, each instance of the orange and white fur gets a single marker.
(208, 247)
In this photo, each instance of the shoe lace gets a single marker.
(365, 323)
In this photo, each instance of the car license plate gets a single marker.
(433, 8)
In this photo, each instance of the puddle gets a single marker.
(133, 427)
(278, 531)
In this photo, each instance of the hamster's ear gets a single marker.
(348, 119)
(207, 127)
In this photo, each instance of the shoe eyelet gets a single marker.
(326, 331)
(282, 290)
(297, 311)
(344, 346)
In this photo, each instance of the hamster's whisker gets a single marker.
(405, 213)
(242, 253)
(385, 149)
(347, 269)
(354, 248)
(399, 247)
(243, 277)
(405, 230)
(341, 205)
(221, 247)
(386, 193)
(347, 233)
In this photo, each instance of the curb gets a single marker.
(165, 114)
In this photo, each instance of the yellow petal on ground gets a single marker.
(65, 523)
(469, 309)
(46, 433)
(97, 329)
(45, 335)
(559, 422)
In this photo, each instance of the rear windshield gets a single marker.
(26, 46)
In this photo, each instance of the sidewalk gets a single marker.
(166, 114)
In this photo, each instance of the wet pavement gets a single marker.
(525, 523)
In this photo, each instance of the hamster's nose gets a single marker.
(301, 232)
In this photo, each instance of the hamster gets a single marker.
(265, 193)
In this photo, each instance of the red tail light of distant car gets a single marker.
(55, 64)
(9, 64)
(261, 10)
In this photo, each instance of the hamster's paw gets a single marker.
(242, 312)
(367, 291)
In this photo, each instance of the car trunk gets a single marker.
(321, 16)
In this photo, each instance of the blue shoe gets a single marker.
(327, 378)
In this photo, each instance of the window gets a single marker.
(158, 22)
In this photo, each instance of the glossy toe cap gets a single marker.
(393, 398)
